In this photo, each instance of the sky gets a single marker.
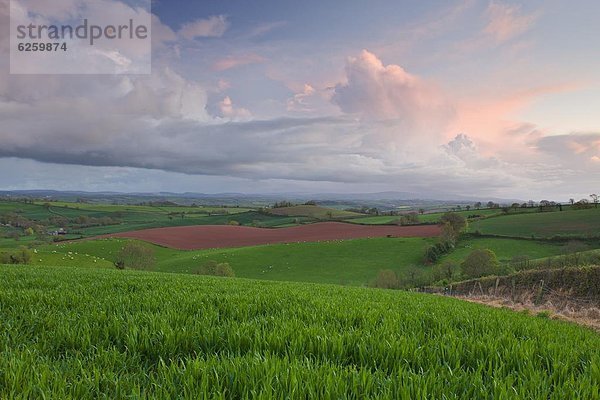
(437, 98)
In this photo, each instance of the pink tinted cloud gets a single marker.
(492, 120)
(236, 61)
(378, 91)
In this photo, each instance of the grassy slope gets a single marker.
(505, 249)
(91, 333)
(571, 222)
(352, 262)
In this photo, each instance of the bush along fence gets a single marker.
(565, 287)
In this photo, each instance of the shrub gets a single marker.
(21, 256)
(444, 271)
(386, 279)
(519, 263)
(479, 263)
(214, 268)
(435, 251)
(136, 256)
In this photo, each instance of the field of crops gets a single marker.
(93, 333)
(546, 224)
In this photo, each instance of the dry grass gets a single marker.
(586, 316)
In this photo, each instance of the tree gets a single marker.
(581, 204)
(409, 219)
(595, 199)
(421, 211)
(572, 201)
(446, 271)
(468, 207)
(453, 225)
(477, 205)
(136, 256)
(481, 262)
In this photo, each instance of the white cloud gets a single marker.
(214, 26)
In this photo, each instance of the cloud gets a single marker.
(298, 103)
(226, 109)
(576, 150)
(263, 29)
(506, 22)
(236, 61)
(378, 91)
(214, 26)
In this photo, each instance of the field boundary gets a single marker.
(570, 293)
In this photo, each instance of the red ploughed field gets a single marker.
(219, 236)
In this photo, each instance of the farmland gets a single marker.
(85, 220)
(505, 249)
(431, 217)
(348, 262)
(578, 223)
(323, 259)
(93, 333)
(313, 211)
(214, 236)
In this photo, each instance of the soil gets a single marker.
(221, 236)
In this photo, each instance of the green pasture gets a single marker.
(570, 222)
